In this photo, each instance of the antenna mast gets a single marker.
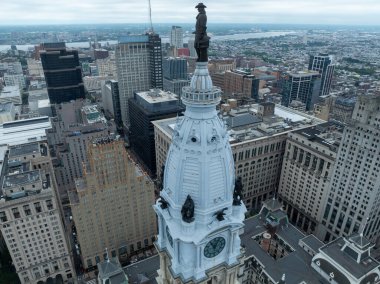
(150, 17)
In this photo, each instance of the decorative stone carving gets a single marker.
(187, 210)
(238, 192)
(220, 214)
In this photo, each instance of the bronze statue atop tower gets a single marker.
(202, 40)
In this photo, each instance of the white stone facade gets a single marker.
(200, 165)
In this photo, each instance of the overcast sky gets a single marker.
(358, 12)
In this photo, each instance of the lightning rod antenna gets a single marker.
(150, 17)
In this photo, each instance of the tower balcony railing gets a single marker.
(195, 96)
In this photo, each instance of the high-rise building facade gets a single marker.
(155, 61)
(198, 195)
(74, 126)
(35, 69)
(144, 108)
(30, 216)
(174, 68)
(111, 205)
(353, 200)
(175, 74)
(190, 45)
(303, 87)
(107, 66)
(111, 101)
(239, 83)
(343, 108)
(63, 73)
(139, 67)
(306, 173)
(323, 63)
(176, 37)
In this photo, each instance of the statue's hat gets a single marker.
(201, 5)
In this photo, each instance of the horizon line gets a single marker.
(171, 23)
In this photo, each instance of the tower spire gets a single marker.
(150, 17)
(108, 259)
(198, 187)
(363, 228)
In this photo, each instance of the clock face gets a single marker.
(214, 247)
(169, 236)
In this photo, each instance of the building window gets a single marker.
(49, 204)
(27, 210)
(16, 213)
(3, 216)
(37, 206)
(89, 262)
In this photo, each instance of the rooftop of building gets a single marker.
(360, 241)
(92, 114)
(328, 134)
(156, 101)
(111, 270)
(134, 39)
(345, 260)
(246, 124)
(294, 264)
(10, 91)
(350, 101)
(18, 172)
(27, 149)
(43, 103)
(300, 74)
(312, 242)
(144, 271)
(52, 45)
(6, 107)
(24, 131)
(21, 179)
(157, 96)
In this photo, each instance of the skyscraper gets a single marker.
(30, 216)
(75, 124)
(353, 202)
(323, 63)
(155, 60)
(306, 173)
(200, 194)
(133, 69)
(63, 73)
(144, 108)
(301, 86)
(139, 67)
(175, 74)
(176, 37)
(174, 68)
(111, 101)
(111, 205)
(239, 83)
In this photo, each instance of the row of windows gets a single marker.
(27, 210)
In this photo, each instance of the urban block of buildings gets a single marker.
(74, 126)
(258, 135)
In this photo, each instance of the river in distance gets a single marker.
(241, 36)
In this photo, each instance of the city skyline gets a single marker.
(336, 12)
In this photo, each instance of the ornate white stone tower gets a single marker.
(199, 226)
